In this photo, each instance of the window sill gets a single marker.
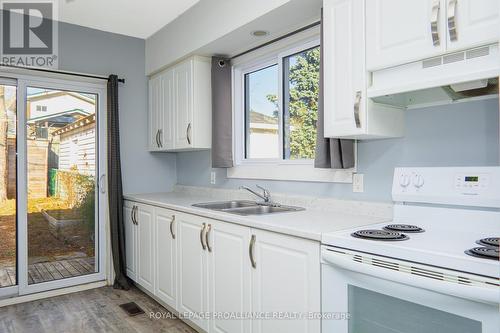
(293, 172)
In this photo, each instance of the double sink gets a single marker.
(247, 207)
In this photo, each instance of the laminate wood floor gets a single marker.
(95, 310)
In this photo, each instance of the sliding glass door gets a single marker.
(52, 217)
(8, 182)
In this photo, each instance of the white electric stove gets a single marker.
(438, 257)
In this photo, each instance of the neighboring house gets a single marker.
(264, 135)
(49, 110)
(77, 149)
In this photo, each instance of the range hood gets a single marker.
(456, 77)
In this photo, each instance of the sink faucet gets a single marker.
(265, 196)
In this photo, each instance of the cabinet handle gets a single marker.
(209, 228)
(202, 231)
(436, 7)
(452, 23)
(135, 215)
(357, 103)
(188, 133)
(160, 133)
(157, 141)
(132, 214)
(171, 227)
(250, 251)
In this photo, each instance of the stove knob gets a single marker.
(418, 181)
(404, 180)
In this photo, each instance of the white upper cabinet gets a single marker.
(348, 112)
(403, 31)
(400, 32)
(180, 107)
(472, 23)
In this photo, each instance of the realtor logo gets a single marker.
(29, 33)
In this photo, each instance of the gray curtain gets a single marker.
(222, 121)
(115, 192)
(330, 153)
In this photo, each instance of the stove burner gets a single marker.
(490, 241)
(484, 252)
(382, 235)
(403, 228)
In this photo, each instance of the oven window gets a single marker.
(371, 312)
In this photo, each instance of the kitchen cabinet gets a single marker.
(229, 275)
(165, 227)
(192, 268)
(145, 246)
(285, 275)
(477, 22)
(180, 107)
(130, 240)
(400, 32)
(348, 112)
(196, 265)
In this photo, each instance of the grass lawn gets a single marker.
(42, 242)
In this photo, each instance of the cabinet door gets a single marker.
(166, 255)
(400, 31)
(130, 241)
(192, 268)
(154, 116)
(145, 247)
(477, 23)
(344, 78)
(183, 87)
(286, 279)
(166, 134)
(229, 275)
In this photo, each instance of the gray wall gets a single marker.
(464, 134)
(92, 51)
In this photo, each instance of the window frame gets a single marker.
(266, 168)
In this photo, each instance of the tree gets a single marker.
(303, 81)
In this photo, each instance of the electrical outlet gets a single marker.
(213, 177)
(357, 183)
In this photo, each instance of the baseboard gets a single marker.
(51, 293)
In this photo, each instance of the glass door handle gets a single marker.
(100, 185)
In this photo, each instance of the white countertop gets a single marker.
(310, 223)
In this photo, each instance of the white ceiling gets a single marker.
(137, 18)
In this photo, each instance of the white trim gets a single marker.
(274, 169)
(51, 293)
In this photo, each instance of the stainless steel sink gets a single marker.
(262, 210)
(246, 207)
(223, 205)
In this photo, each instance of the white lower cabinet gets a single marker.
(229, 276)
(285, 279)
(130, 240)
(200, 266)
(166, 255)
(145, 247)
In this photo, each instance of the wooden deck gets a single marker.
(49, 271)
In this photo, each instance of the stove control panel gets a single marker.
(464, 186)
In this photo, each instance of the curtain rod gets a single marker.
(60, 72)
(277, 39)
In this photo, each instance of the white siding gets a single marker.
(78, 148)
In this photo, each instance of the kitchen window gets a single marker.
(275, 115)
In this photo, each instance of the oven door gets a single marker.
(368, 294)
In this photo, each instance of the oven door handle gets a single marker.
(474, 293)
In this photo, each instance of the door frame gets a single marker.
(25, 79)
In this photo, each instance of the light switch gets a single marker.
(357, 183)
